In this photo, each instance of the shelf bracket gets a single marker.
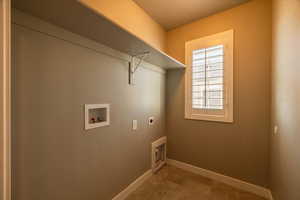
(133, 65)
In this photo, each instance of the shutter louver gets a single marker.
(208, 78)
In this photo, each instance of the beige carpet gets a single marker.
(171, 183)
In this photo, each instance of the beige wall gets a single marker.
(285, 148)
(240, 149)
(128, 15)
(53, 156)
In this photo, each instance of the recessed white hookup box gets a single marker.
(96, 115)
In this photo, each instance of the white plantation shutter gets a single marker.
(208, 78)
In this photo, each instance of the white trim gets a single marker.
(270, 195)
(225, 115)
(5, 141)
(133, 186)
(242, 185)
(89, 107)
(160, 141)
(155, 144)
(20, 18)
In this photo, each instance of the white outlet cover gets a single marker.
(134, 124)
(275, 130)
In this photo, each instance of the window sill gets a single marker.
(212, 118)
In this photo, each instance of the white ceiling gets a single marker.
(173, 13)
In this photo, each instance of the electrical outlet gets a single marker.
(134, 124)
(151, 121)
(275, 130)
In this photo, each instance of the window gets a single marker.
(209, 78)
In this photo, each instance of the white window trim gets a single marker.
(5, 110)
(226, 38)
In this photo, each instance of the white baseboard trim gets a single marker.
(242, 185)
(133, 186)
(270, 195)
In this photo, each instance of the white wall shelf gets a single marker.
(73, 16)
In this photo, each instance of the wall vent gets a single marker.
(159, 153)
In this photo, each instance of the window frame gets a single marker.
(226, 114)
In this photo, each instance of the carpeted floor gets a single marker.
(171, 183)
